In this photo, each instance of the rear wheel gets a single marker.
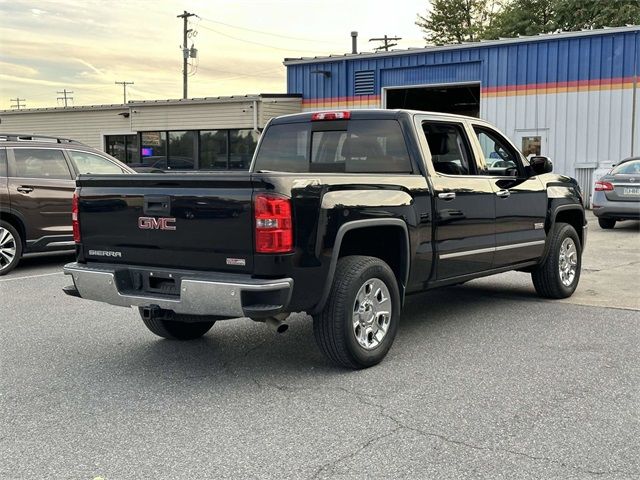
(10, 247)
(359, 322)
(177, 330)
(606, 223)
(558, 274)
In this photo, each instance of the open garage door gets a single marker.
(459, 99)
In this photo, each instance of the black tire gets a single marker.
(546, 276)
(11, 248)
(333, 328)
(176, 329)
(606, 223)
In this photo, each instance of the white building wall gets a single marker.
(277, 107)
(86, 126)
(192, 117)
(585, 127)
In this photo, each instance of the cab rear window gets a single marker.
(364, 146)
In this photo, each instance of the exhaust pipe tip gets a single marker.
(277, 325)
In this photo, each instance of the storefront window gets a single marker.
(242, 144)
(213, 150)
(193, 149)
(123, 147)
(153, 150)
(182, 150)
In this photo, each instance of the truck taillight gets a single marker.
(74, 217)
(603, 187)
(274, 226)
(346, 115)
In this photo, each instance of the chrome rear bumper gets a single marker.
(200, 293)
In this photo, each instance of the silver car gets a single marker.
(617, 194)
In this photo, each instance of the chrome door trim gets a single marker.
(490, 249)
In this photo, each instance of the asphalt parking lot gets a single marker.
(485, 380)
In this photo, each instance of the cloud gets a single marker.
(18, 70)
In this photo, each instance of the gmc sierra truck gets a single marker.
(341, 215)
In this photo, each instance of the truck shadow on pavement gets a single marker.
(242, 349)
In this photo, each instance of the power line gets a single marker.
(387, 42)
(263, 32)
(260, 43)
(124, 89)
(64, 97)
(17, 105)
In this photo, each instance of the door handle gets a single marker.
(503, 193)
(24, 189)
(447, 195)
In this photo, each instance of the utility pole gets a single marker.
(185, 50)
(124, 89)
(17, 105)
(64, 96)
(387, 45)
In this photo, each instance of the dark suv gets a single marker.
(37, 180)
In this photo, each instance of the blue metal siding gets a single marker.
(548, 61)
(575, 91)
(423, 75)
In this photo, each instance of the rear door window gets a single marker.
(355, 146)
(449, 147)
(40, 163)
(3, 162)
(90, 163)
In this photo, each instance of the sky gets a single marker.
(85, 46)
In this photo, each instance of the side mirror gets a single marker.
(541, 165)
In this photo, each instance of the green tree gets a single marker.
(581, 14)
(457, 21)
(531, 17)
(524, 17)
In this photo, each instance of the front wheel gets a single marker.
(558, 274)
(359, 322)
(175, 329)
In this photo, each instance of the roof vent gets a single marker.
(363, 83)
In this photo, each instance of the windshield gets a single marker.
(364, 146)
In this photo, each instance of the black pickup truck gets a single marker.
(341, 215)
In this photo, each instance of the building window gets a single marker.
(195, 149)
(242, 144)
(153, 150)
(214, 151)
(123, 147)
(182, 148)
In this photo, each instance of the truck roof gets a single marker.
(365, 114)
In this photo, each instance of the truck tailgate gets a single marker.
(186, 221)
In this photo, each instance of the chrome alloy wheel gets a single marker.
(8, 248)
(371, 313)
(568, 263)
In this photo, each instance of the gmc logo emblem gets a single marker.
(152, 223)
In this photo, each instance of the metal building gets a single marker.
(570, 96)
(213, 133)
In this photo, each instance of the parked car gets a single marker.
(617, 194)
(158, 164)
(341, 215)
(37, 180)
